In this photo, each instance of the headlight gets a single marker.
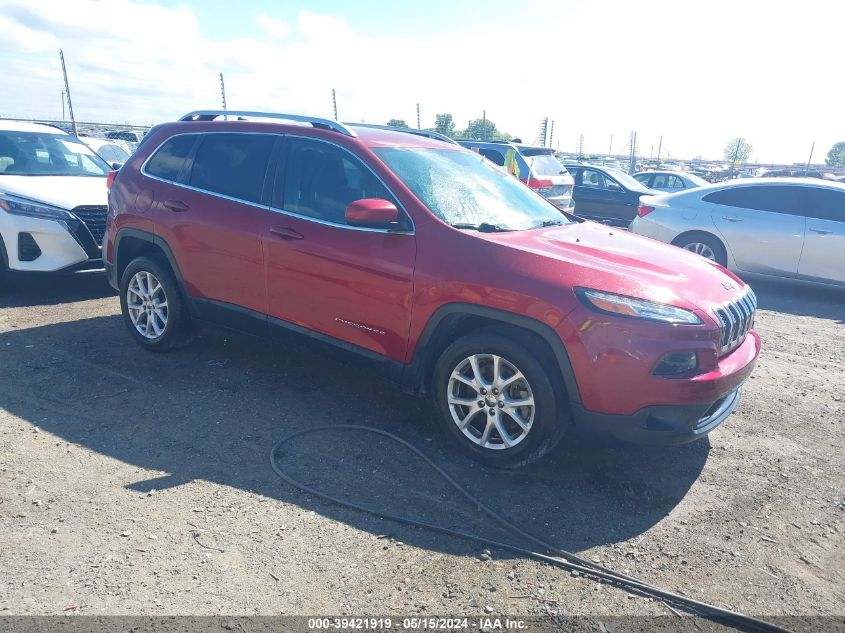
(22, 206)
(621, 305)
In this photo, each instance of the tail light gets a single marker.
(643, 210)
(539, 183)
(110, 179)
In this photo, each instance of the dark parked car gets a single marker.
(606, 195)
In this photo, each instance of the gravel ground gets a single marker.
(135, 483)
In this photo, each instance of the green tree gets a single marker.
(397, 123)
(738, 150)
(484, 130)
(443, 124)
(836, 155)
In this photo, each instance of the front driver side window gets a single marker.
(321, 180)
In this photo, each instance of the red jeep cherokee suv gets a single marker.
(402, 246)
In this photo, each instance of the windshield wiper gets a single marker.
(552, 222)
(483, 227)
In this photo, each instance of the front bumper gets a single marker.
(61, 248)
(661, 424)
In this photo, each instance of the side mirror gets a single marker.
(373, 213)
(116, 166)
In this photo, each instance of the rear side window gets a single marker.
(168, 160)
(774, 198)
(233, 165)
(493, 155)
(545, 165)
(320, 181)
(826, 204)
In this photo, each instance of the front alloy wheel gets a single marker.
(491, 401)
(146, 302)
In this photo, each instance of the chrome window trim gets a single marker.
(270, 207)
(399, 204)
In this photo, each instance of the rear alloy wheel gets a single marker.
(496, 399)
(152, 305)
(704, 245)
(146, 303)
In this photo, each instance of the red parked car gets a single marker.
(518, 320)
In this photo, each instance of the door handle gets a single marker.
(731, 218)
(820, 231)
(286, 233)
(177, 206)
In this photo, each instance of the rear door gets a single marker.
(215, 218)
(763, 226)
(349, 283)
(823, 257)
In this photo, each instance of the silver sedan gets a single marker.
(778, 227)
(670, 181)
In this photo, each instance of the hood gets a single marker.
(596, 256)
(65, 192)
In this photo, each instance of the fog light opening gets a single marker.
(676, 363)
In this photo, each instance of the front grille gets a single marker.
(94, 217)
(736, 318)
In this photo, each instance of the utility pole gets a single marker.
(418, 117)
(581, 145)
(551, 133)
(633, 166)
(223, 93)
(659, 149)
(610, 147)
(63, 105)
(334, 103)
(810, 160)
(484, 125)
(67, 90)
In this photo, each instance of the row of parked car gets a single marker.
(783, 227)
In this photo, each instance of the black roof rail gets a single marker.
(326, 124)
(407, 130)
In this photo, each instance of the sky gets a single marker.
(695, 73)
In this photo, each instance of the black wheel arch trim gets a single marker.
(145, 236)
(414, 374)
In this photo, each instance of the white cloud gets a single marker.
(274, 27)
(697, 75)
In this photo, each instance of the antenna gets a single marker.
(67, 90)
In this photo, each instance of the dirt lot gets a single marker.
(135, 483)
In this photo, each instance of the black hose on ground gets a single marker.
(560, 558)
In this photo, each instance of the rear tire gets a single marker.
(495, 399)
(705, 245)
(152, 306)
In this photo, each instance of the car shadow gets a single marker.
(213, 410)
(800, 299)
(41, 289)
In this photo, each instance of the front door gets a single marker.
(351, 284)
(599, 197)
(823, 257)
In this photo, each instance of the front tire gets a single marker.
(152, 305)
(495, 399)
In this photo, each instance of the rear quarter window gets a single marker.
(168, 159)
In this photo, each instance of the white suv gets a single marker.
(53, 200)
